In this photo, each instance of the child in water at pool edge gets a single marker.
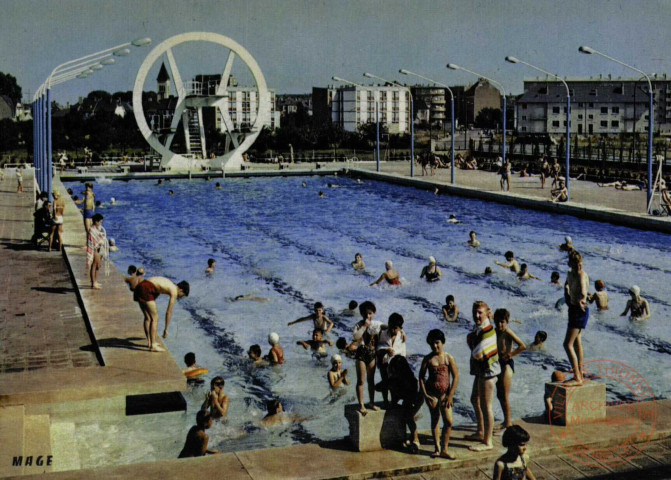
(450, 309)
(317, 343)
(600, 297)
(276, 354)
(337, 377)
(539, 341)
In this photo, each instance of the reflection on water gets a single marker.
(275, 240)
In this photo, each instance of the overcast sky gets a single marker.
(301, 44)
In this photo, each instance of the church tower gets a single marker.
(163, 81)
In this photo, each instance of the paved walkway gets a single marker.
(41, 324)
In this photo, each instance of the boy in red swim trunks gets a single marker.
(145, 294)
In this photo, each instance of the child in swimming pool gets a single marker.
(197, 440)
(600, 297)
(439, 390)
(524, 273)
(511, 262)
(317, 343)
(216, 401)
(319, 319)
(337, 377)
(513, 464)
(254, 354)
(450, 309)
(276, 354)
(505, 338)
(539, 341)
(554, 279)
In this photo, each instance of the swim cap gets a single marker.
(388, 264)
(112, 199)
(635, 290)
(432, 260)
(273, 338)
(336, 358)
(568, 239)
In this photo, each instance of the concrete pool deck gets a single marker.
(70, 377)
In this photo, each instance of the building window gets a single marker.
(580, 105)
(591, 117)
(604, 109)
(543, 90)
(615, 110)
(555, 109)
(593, 92)
(555, 123)
(524, 106)
(590, 105)
(580, 116)
(524, 129)
(604, 123)
(571, 92)
(615, 123)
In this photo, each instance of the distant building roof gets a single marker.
(583, 91)
(163, 74)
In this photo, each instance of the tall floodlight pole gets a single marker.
(452, 66)
(377, 119)
(77, 68)
(408, 72)
(590, 51)
(568, 117)
(412, 118)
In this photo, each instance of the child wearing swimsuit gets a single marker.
(439, 391)
(513, 465)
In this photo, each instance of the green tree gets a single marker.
(9, 87)
(489, 118)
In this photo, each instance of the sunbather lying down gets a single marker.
(623, 185)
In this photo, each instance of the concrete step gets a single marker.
(37, 456)
(64, 447)
(11, 432)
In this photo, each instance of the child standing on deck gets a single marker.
(391, 344)
(366, 334)
(512, 465)
(484, 365)
(439, 390)
(504, 340)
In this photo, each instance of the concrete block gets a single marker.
(377, 430)
(572, 405)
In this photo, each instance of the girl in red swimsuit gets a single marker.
(439, 391)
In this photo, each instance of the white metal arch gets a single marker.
(232, 159)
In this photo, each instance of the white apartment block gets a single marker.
(242, 108)
(354, 106)
(598, 105)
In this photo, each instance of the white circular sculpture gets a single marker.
(192, 97)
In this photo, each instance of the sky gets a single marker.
(299, 44)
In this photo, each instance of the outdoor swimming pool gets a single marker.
(276, 240)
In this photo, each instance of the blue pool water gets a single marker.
(274, 239)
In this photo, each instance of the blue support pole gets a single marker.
(43, 119)
(503, 149)
(412, 135)
(452, 139)
(650, 135)
(34, 113)
(38, 163)
(568, 146)
(377, 134)
(49, 163)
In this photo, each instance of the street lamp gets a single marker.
(412, 118)
(408, 72)
(568, 117)
(377, 119)
(590, 51)
(78, 68)
(453, 66)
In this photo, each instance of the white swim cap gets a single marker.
(388, 264)
(635, 290)
(432, 260)
(273, 338)
(112, 199)
(568, 239)
(336, 358)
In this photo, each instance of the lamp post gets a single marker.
(408, 72)
(80, 67)
(590, 51)
(412, 118)
(568, 117)
(377, 120)
(452, 66)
